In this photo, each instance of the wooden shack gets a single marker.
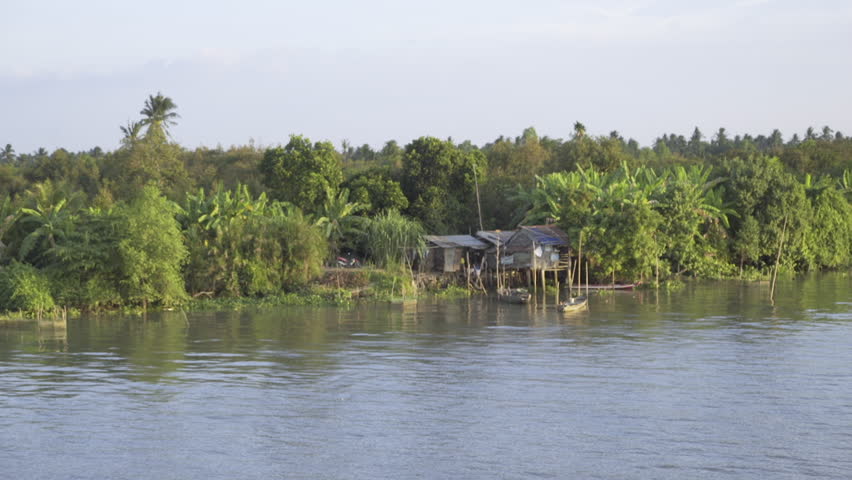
(495, 239)
(536, 247)
(445, 252)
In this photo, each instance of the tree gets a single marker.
(696, 145)
(721, 143)
(828, 236)
(25, 288)
(159, 113)
(131, 133)
(244, 245)
(8, 216)
(85, 265)
(151, 160)
(438, 180)
(376, 191)
(151, 251)
(48, 215)
(810, 134)
(7, 155)
(760, 187)
(338, 218)
(302, 173)
(391, 155)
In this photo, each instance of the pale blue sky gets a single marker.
(370, 71)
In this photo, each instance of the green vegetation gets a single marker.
(154, 223)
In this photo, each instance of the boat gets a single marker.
(574, 304)
(514, 295)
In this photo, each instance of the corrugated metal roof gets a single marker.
(456, 241)
(546, 234)
(492, 236)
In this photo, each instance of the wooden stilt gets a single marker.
(570, 275)
(556, 283)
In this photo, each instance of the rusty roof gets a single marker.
(456, 241)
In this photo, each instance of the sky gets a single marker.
(370, 71)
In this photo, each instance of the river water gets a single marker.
(706, 382)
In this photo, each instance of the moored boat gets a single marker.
(574, 304)
(514, 295)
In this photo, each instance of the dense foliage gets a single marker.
(154, 222)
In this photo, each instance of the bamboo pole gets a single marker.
(580, 263)
(777, 261)
(570, 276)
(478, 206)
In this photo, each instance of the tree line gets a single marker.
(152, 221)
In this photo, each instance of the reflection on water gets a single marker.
(707, 382)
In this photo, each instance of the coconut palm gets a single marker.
(8, 215)
(7, 155)
(159, 114)
(51, 211)
(131, 133)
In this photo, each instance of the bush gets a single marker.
(24, 288)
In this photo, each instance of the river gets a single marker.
(706, 382)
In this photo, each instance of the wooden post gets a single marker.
(535, 281)
(556, 282)
(570, 275)
(497, 265)
(467, 268)
(532, 270)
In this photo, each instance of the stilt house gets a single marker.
(534, 248)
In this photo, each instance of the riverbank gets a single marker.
(335, 287)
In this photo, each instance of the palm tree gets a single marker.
(338, 217)
(810, 134)
(8, 215)
(845, 183)
(159, 114)
(7, 155)
(52, 211)
(131, 133)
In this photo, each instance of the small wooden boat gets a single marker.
(574, 304)
(514, 295)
